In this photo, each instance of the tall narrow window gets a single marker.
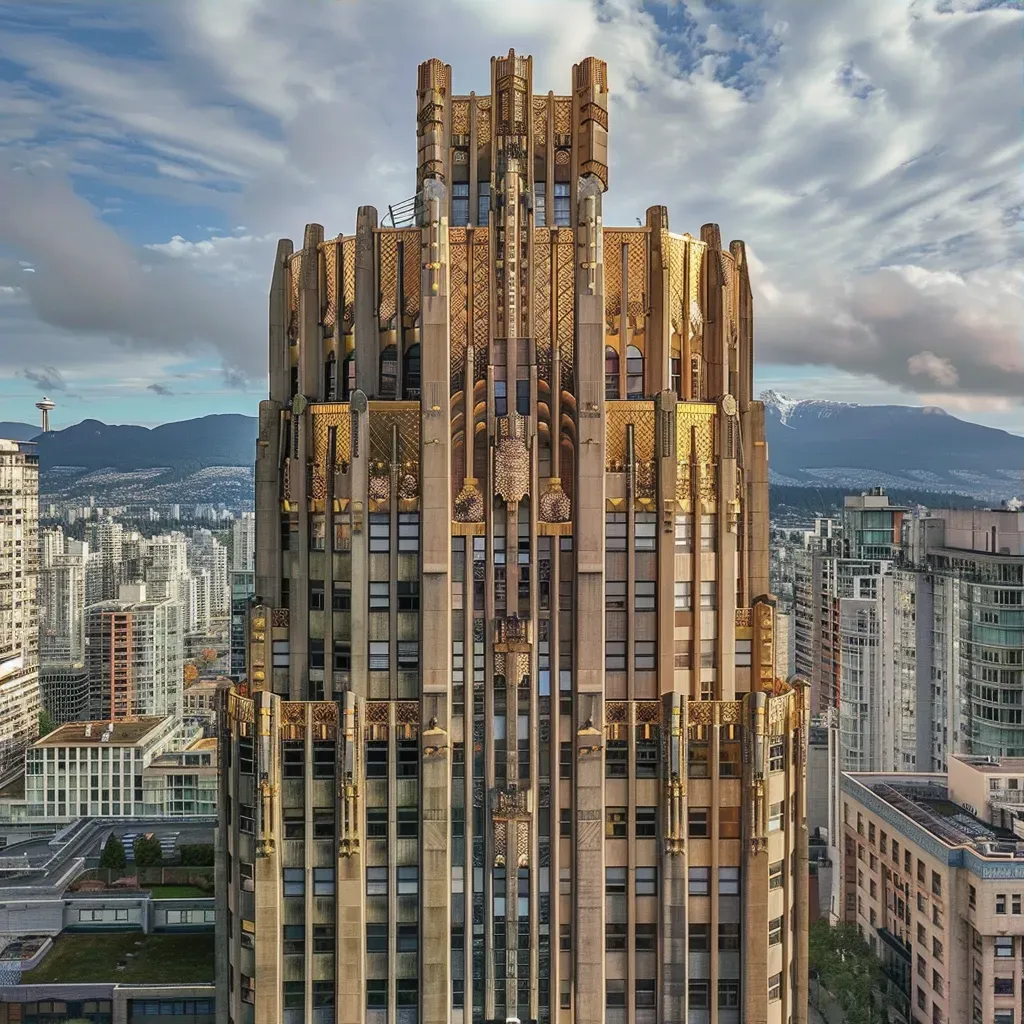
(411, 374)
(348, 382)
(388, 371)
(331, 377)
(611, 374)
(634, 372)
(540, 203)
(483, 205)
(563, 204)
(460, 204)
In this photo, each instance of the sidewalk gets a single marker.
(827, 1011)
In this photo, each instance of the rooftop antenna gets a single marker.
(45, 406)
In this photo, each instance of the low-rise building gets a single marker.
(201, 700)
(182, 783)
(90, 769)
(937, 892)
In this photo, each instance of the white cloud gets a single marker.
(867, 151)
(940, 371)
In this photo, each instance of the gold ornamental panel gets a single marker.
(405, 416)
(240, 709)
(542, 301)
(377, 712)
(779, 714)
(460, 117)
(618, 415)
(630, 278)
(613, 242)
(481, 303)
(327, 415)
(293, 712)
(615, 712)
(563, 115)
(695, 440)
(523, 843)
(700, 712)
(636, 277)
(458, 284)
(674, 254)
(293, 720)
(730, 712)
(483, 121)
(412, 265)
(540, 124)
(684, 256)
(565, 294)
(647, 712)
(348, 280)
(330, 250)
(388, 276)
(294, 277)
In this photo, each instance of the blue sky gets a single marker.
(868, 152)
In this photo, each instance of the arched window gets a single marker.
(388, 371)
(634, 372)
(611, 374)
(411, 373)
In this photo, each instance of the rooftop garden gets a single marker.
(127, 957)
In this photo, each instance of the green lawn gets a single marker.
(160, 959)
(178, 892)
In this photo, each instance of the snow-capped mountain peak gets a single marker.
(780, 403)
(787, 408)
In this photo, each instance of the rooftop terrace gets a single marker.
(924, 800)
(87, 733)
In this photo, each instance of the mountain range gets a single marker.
(812, 444)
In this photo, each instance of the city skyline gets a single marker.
(891, 163)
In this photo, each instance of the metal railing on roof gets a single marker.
(406, 214)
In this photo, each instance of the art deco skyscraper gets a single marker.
(514, 745)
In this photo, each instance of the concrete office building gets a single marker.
(937, 891)
(19, 608)
(516, 745)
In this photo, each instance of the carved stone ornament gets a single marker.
(512, 470)
(408, 486)
(588, 740)
(729, 405)
(555, 505)
(435, 740)
(696, 316)
(380, 488)
(469, 506)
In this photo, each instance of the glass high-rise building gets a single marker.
(514, 745)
